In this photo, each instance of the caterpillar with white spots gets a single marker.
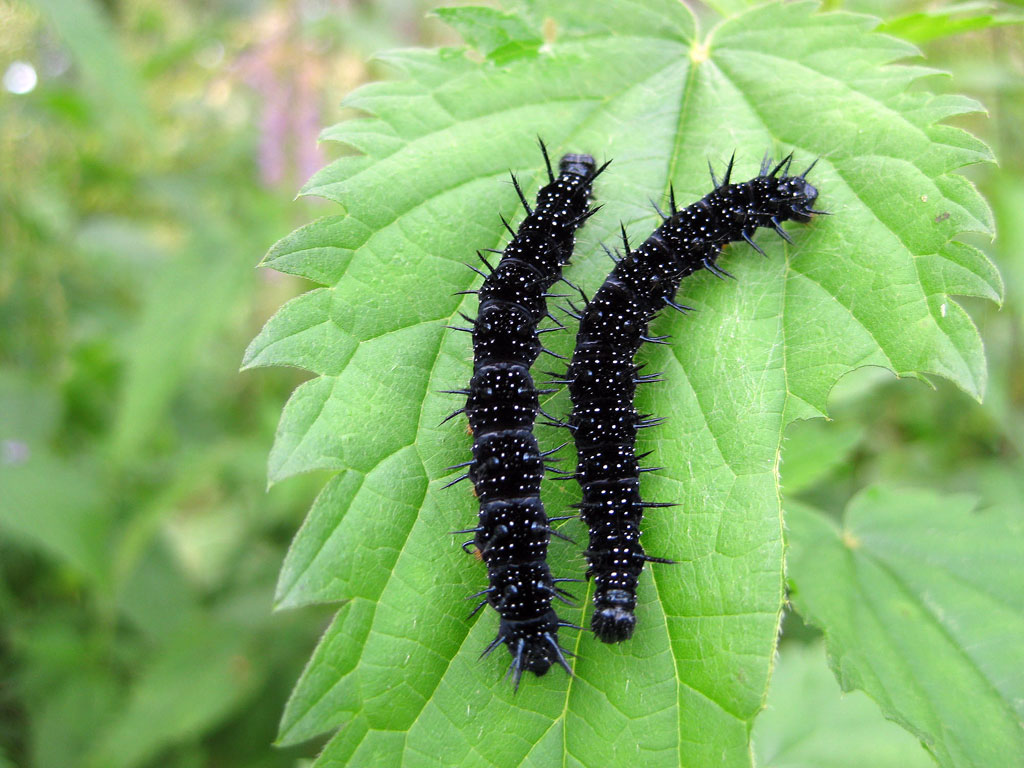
(603, 377)
(513, 529)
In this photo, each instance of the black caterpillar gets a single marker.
(602, 376)
(513, 529)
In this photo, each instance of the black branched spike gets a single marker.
(564, 597)
(661, 339)
(492, 645)
(467, 318)
(522, 197)
(601, 169)
(714, 179)
(470, 530)
(556, 471)
(753, 245)
(679, 308)
(480, 255)
(728, 170)
(782, 233)
(625, 239)
(559, 534)
(477, 609)
(662, 560)
(478, 271)
(784, 162)
(649, 422)
(461, 466)
(494, 250)
(553, 450)
(470, 292)
(458, 479)
(459, 328)
(467, 544)
(507, 225)
(547, 160)
(766, 163)
(672, 199)
(658, 210)
(570, 625)
(559, 653)
(567, 652)
(448, 418)
(611, 255)
(555, 425)
(716, 270)
(578, 221)
(516, 667)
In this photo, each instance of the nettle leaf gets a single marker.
(808, 722)
(922, 602)
(397, 671)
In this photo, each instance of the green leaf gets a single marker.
(189, 299)
(111, 83)
(499, 36)
(922, 603)
(953, 19)
(57, 507)
(813, 449)
(198, 678)
(634, 82)
(809, 723)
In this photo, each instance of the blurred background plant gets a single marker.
(149, 154)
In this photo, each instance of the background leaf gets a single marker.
(922, 603)
(869, 285)
(809, 723)
(952, 19)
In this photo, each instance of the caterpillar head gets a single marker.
(795, 198)
(792, 196)
(580, 165)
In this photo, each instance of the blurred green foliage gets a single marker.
(140, 182)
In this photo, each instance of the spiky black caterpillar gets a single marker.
(513, 530)
(602, 376)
